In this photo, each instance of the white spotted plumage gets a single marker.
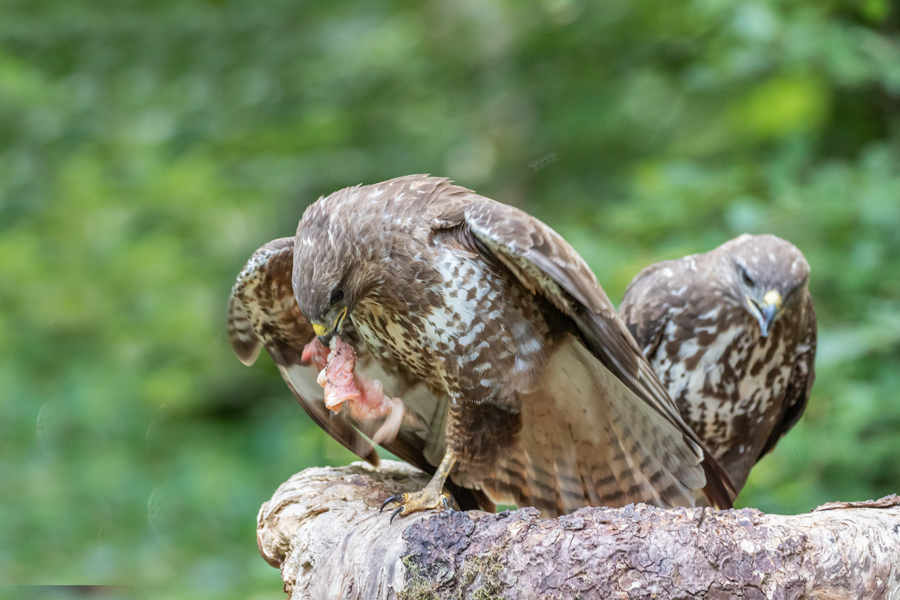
(738, 389)
(486, 307)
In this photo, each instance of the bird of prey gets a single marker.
(544, 397)
(262, 311)
(732, 335)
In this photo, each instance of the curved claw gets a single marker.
(425, 499)
(392, 499)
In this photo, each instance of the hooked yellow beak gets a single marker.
(767, 312)
(326, 332)
(773, 298)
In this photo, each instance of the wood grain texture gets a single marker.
(323, 530)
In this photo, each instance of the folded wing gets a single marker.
(613, 435)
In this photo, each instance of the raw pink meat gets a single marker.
(340, 382)
(315, 353)
(365, 397)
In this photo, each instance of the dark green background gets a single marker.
(148, 147)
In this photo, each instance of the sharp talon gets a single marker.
(445, 502)
(394, 498)
(395, 513)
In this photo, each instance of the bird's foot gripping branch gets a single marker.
(432, 497)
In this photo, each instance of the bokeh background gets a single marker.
(147, 147)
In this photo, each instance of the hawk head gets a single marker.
(766, 274)
(335, 251)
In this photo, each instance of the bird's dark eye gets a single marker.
(337, 295)
(746, 277)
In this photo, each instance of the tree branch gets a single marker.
(323, 529)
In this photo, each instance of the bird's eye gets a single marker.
(337, 295)
(746, 277)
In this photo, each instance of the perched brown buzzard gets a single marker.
(732, 335)
(539, 394)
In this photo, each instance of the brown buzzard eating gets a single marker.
(732, 335)
(538, 393)
(262, 311)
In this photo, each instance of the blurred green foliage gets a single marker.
(147, 147)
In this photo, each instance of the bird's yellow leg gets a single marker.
(432, 496)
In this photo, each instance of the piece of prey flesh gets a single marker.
(365, 397)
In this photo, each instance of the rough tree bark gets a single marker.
(323, 529)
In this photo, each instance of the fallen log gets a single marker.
(323, 529)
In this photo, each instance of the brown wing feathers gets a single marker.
(540, 257)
